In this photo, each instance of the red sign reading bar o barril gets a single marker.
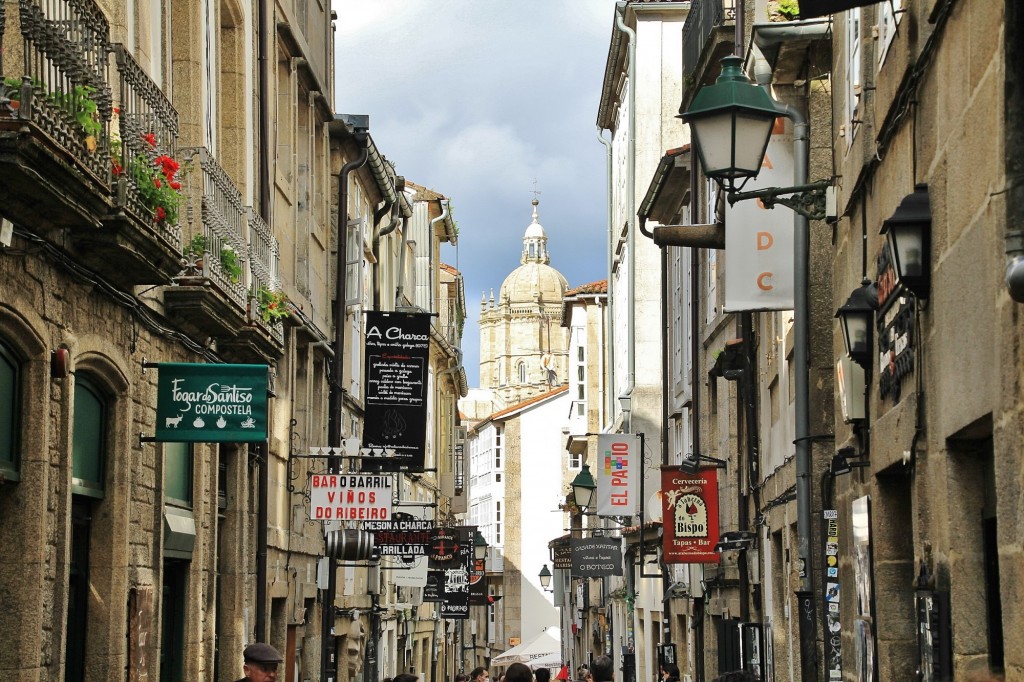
(690, 516)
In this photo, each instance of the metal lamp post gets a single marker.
(732, 103)
(583, 488)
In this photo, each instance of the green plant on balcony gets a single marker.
(229, 262)
(155, 178)
(271, 305)
(783, 10)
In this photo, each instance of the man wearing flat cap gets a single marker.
(261, 661)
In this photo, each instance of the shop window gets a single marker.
(178, 473)
(89, 440)
(10, 411)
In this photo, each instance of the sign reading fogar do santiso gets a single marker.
(211, 403)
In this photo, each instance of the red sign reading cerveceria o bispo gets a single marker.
(690, 516)
(349, 497)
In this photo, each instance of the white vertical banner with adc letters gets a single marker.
(759, 241)
(618, 474)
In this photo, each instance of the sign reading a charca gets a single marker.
(211, 403)
(395, 398)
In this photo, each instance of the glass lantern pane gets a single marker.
(713, 136)
(752, 134)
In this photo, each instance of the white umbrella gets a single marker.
(537, 652)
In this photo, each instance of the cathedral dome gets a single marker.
(534, 279)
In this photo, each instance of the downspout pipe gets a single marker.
(609, 351)
(430, 237)
(620, 8)
(377, 234)
(400, 288)
(336, 394)
(801, 327)
(263, 449)
(1014, 110)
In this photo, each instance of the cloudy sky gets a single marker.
(478, 100)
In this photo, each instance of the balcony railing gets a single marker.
(450, 321)
(64, 86)
(704, 17)
(144, 129)
(223, 260)
(264, 258)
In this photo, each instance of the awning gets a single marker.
(542, 651)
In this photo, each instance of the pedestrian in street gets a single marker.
(406, 677)
(260, 661)
(602, 669)
(583, 674)
(670, 672)
(461, 677)
(478, 675)
(542, 674)
(518, 672)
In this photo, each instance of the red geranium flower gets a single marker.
(157, 183)
(161, 214)
(117, 169)
(117, 110)
(175, 185)
(150, 138)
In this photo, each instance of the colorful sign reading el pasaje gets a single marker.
(211, 403)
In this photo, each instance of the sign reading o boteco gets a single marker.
(596, 557)
(211, 403)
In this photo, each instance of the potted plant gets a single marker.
(271, 305)
(156, 180)
(229, 262)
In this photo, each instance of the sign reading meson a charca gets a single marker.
(349, 497)
(406, 537)
(690, 516)
(211, 403)
(395, 398)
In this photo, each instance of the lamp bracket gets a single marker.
(807, 200)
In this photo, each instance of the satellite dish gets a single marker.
(654, 507)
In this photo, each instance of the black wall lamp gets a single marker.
(735, 541)
(856, 318)
(691, 463)
(909, 235)
(842, 464)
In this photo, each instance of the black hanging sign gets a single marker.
(444, 548)
(397, 352)
(455, 586)
(596, 557)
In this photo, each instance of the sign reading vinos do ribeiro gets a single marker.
(211, 403)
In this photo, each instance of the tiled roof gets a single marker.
(449, 268)
(528, 402)
(599, 287)
(422, 193)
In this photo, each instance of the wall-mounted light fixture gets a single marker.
(479, 546)
(583, 487)
(909, 234)
(545, 578)
(842, 464)
(856, 318)
(691, 463)
(735, 540)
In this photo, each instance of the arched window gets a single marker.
(10, 410)
(89, 440)
(521, 370)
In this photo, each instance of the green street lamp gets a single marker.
(731, 122)
(545, 578)
(583, 487)
(479, 546)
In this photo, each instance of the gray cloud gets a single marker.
(477, 99)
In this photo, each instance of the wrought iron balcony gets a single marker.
(707, 37)
(55, 108)
(141, 235)
(216, 292)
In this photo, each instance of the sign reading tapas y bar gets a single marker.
(396, 356)
(349, 497)
(690, 516)
(211, 403)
